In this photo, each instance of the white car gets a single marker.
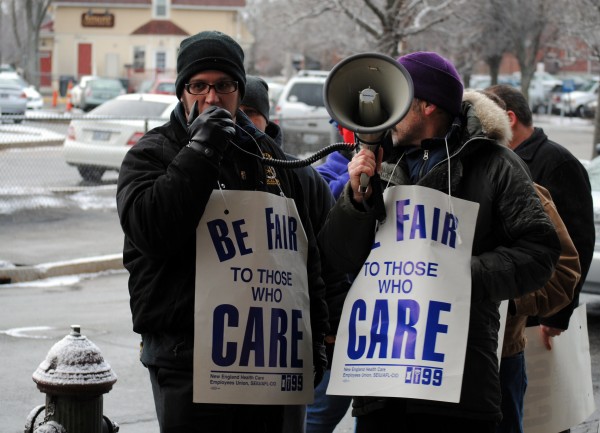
(78, 89)
(35, 101)
(99, 141)
(275, 89)
(301, 114)
(574, 103)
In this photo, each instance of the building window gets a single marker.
(139, 59)
(160, 8)
(161, 61)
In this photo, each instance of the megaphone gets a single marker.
(368, 93)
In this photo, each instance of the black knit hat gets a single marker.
(257, 95)
(210, 50)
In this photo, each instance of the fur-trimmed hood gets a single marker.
(485, 117)
(482, 119)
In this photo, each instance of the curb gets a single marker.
(89, 265)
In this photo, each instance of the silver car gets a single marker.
(93, 91)
(13, 100)
(302, 116)
(35, 101)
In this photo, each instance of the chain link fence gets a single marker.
(35, 167)
(55, 207)
(34, 174)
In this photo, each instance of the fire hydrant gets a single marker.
(74, 376)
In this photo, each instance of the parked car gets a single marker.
(13, 100)
(92, 91)
(275, 89)
(589, 109)
(592, 282)
(35, 101)
(302, 115)
(540, 90)
(483, 81)
(78, 88)
(163, 86)
(573, 103)
(95, 145)
(5, 67)
(569, 84)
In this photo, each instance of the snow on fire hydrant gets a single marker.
(74, 376)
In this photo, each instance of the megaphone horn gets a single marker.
(368, 93)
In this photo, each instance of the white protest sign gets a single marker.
(503, 310)
(252, 335)
(559, 393)
(404, 326)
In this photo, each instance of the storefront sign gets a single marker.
(90, 19)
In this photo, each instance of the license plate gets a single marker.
(101, 135)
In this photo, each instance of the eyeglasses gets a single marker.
(201, 88)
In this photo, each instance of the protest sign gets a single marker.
(252, 335)
(560, 393)
(404, 326)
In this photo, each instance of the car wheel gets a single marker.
(580, 111)
(91, 173)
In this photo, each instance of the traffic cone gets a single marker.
(69, 103)
(54, 98)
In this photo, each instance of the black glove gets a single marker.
(210, 131)
(319, 360)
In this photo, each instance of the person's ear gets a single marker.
(428, 108)
(512, 118)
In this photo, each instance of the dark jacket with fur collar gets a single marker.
(514, 250)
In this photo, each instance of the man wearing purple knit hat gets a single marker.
(455, 143)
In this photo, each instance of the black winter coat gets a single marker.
(561, 173)
(162, 191)
(514, 249)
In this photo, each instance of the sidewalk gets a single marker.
(52, 242)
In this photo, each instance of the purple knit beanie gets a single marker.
(435, 80)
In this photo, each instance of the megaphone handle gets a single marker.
(364, 183)
(364, 179)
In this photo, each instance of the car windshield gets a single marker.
(105, 84)
(18, 80)
(131, 108)
(9, 84)
(589, 86)
(309, 93)
(166, 87)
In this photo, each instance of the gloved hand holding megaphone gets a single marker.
(368, 94)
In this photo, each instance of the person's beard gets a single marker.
(406, 136)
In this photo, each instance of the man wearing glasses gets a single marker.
(198, 164)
